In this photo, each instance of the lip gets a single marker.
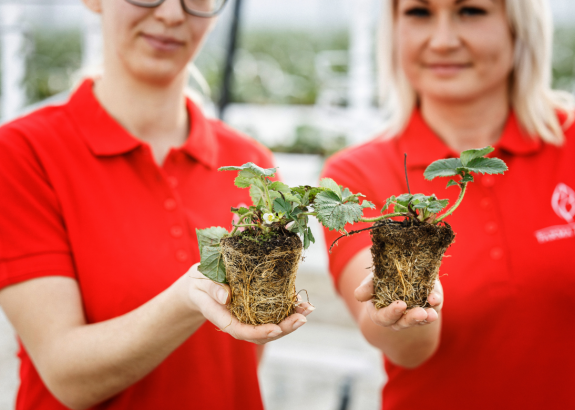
(447, 69)
(162, 43)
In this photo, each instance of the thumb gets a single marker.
(218, 291)
(364, 291)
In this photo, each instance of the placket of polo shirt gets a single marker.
(493, 233)
(173, 207)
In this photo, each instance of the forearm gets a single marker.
(90, 363)
(408, 347)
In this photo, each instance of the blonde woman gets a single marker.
(455, 75)
(100, 199)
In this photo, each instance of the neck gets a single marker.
(155, 114)
(471, 124)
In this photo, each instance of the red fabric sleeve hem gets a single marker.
(34, 266)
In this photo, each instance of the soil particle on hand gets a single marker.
(406, 257)
(261, 272)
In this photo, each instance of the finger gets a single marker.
(221, 317)
(304, 308)
(432, 316)
(364, 291)
(435, 299)
(413, 317)
(291, 323)
(388, 315)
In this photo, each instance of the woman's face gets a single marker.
(454, 50)
(152, 44)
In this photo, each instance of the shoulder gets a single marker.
(236, 147)
(33, 129)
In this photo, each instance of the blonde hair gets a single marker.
(534, 102)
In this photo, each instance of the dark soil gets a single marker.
(261, 272)
(406, 257)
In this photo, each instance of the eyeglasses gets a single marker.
(199, 8)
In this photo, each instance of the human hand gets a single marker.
(210, 298)
(396, 316)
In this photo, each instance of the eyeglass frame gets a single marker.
(186, 9)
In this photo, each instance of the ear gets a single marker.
(94, 5)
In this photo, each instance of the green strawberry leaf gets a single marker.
(443, 168)
(486, 166)
(251, 170)
(212, 264)
(331, 185)
(333, 214)
(451, 183)
(471, 154)
(210, 236)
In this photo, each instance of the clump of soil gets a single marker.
(261, 272)
(406, 257)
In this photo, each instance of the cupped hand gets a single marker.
(396, 316)
(211, 298)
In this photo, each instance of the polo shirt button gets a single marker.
(172, 182)
(176, 231)
(485, 203)
(491, 227)
(181, 256)
(496, 253)
(170, 204)
(488, 181)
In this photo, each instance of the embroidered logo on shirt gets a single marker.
(563, 203)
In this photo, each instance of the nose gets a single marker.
(170, 12)
(444, 36)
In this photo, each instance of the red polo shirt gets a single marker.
(509, 280)
(83, 198)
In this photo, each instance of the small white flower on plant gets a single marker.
(270, 218)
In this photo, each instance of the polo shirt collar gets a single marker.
(106, 137)
(423, 146)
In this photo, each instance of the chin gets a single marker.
(157, 73)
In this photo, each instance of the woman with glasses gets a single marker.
(101, 198)
(457, 75)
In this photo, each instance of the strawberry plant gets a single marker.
(407, 254)
(259, 256)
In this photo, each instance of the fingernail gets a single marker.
(299, 323)
(396, 328)
(308, 310)
(222, 296)
(275, 333)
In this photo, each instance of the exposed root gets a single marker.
(406, 261)
(261, 273)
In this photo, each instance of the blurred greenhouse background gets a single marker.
(304, 85)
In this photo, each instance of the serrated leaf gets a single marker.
(292, 198)
(308, 238)
(443, 168)
(257, 192)
(280, 186)
(471, 154)
(331, 185)
(250, 170)
(487, 166)
(281, 205)
(437, 206)
(451, 183)
(242, 182)
(367, 204)
(210, 236)
(212, 264)
(333, 214)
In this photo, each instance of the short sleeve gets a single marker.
(347, 173)
(33, 237)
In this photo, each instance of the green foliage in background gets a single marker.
(272, 67)
(52, 58)
(564, 59)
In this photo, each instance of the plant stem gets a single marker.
(270, 207)
(463, 187)
(382, 217)
(244, 216)
(309, 213)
